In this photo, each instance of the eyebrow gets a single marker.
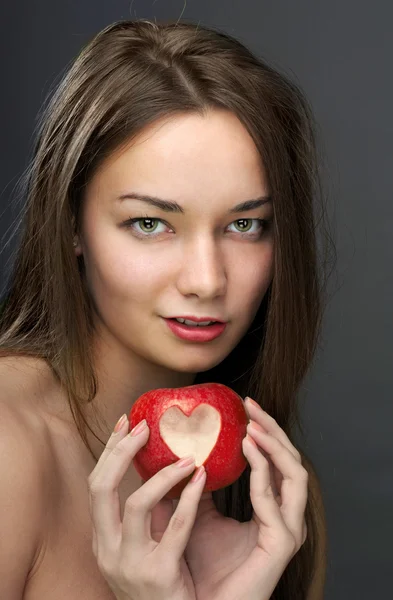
(174, 207)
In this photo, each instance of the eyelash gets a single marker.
(265, 225)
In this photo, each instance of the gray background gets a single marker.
(341, 54)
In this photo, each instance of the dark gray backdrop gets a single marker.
(341, 54)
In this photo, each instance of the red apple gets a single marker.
(208, 420)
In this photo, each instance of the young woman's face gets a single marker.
(203, 261)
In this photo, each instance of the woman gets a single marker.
(174, 176)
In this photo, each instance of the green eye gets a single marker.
(248, 222)
(149, 228)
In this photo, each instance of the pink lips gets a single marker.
(196, 334)
(196, 319)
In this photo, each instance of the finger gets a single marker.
(103, 488)
(138, 506)
(275, 475)
(122, 427)
(264, 504)
(271, 426)
(161, 513)
(177, 534)
(294, 486)
(206, 503)
(115, 437)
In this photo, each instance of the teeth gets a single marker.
(193, 324)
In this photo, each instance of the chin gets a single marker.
(195, 365)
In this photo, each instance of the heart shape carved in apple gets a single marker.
(196, 434)
(208, 421)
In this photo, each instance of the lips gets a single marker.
(189, 323)
(197, 319)
(194, 323)
(196, 333)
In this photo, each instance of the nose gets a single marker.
(203, 270)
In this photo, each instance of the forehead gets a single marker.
(186, 156)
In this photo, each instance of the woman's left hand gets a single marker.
(229, 560)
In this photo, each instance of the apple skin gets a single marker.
(226, 461)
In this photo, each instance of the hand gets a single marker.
(229, 560)
(138, 557)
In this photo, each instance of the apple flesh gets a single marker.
(207, 421)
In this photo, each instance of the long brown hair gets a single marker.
(128, 76)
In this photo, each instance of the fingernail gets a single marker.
(120, 423)
(198, 474)
(139, 428)
(185, 462)
(248, 399)
(256, 426)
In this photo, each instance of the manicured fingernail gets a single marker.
(185, 462)
(252, 402)
(198, 474)
(120, 423)
(139, 428)
(256, 426)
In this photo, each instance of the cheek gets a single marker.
(252, 280)
(253, 276)
(128, 275)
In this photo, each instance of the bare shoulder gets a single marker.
(26, 473)
(23, 375)
(317, 586)
(24, 385)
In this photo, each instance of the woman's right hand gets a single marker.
(135, 565)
